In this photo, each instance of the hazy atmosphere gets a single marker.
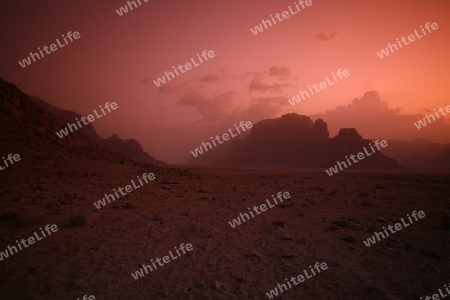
(245, 150)
(251, 76)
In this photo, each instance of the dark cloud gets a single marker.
(322, 36)
(374, 119)
(212, 77)
(283, 72)
(145, 80)
(172, 88)
(266, 107)
(211, 109)
(257, 84)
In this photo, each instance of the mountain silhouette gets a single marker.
(296, 141)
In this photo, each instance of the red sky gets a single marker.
(118, 57)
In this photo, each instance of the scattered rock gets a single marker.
(367, 203)
(283, 206)
(340, 223)
(252, 255)
(409, 246)
(218, 285)
(77, 221)
(311, 202)
(8, 216)
(332, 227)
(430, 253)
(156, 218)
(66, 201)
(445, 223)
(350, 239)
(54, 207)
(278, 223)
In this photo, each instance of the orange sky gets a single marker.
(117, 59)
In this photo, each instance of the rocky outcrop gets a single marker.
(296, 141)
(130, 148)
(32, 121)
(27, 126)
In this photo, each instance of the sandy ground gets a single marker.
(194, 206)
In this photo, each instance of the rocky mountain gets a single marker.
(28, 124)
(28, 128)
(420, 153)
(296, 141)
(130, 148)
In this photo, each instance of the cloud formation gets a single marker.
(172, 88)
(374, 119)
(212, 77)
(283, 72)
(322, 36)
(266, 107)
(211, 109)
(257, 84)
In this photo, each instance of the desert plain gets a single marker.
(325, 220)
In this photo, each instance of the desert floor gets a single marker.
(194, 206)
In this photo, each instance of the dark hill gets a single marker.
(295, 141)
(130, 148)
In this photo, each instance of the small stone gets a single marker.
(218, 285)
(77, 221)
(340, 223)
(430, 253)
(332, 227)
(445, 223)
(350, 239)
(390, 297)
(15, 199)
(278, 223)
